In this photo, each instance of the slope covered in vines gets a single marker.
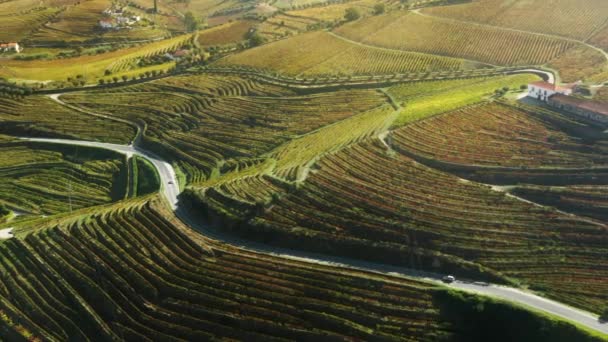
(200, 120)
(367, 198)
(135, 273)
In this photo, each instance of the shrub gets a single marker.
(352, 14)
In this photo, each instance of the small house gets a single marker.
(10, 47)
(544, 90)
(107, 23)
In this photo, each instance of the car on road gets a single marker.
(448, 279)
(170, 182)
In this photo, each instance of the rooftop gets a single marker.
(594, 106)
(551, 86)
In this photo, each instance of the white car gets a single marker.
(448, 279)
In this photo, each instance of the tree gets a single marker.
(604, 314)
(125, 78)
(379, 9)
(351, 14)
(255, 39)
(107, 72)
(191, 22)
(115, 79)
(101, 81)
(4, 210)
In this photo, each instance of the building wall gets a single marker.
(587, 114)
(544, 94)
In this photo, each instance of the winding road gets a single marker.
(170, 191)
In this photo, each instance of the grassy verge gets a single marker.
(481, 317)
(148, 180)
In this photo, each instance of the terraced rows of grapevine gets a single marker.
(581, 64)
(134, 274)
(51, 179)
(280, 25)
(41, 116)
(16, 26)
(335, 12)
(574, 19)
(296, 156)
(91, 66)
(201, 129)
(399, 211)
(584, 200)
(455, 39)
(78, 22)
(322, 53)
(497, 135)
(229, 33)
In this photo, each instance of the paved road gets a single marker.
(170, 190)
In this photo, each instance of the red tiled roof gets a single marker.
(593, 106)
(180, 53)
(551, 86)
(543, 85)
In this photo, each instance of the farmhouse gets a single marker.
(591, 110)
(543, 90)
(10, 47)
(107, 23)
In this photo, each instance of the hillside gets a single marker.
(135, 272)
(299, 170)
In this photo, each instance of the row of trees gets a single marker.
(13, 90)
(125, 78)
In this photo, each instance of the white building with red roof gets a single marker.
(10, 47)
(542, 90)
(107, 23)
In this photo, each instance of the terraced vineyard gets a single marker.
(91, 67)
(322, 53)
(41, 116)
(222, 117)
(581, 64)
(399, 211)
(282, 25)
(498, 135)
(78, 22)
(584, 200)
(455, 39)
(49, 180)
(136, 273)
(17, 25)
(335, 12)
(230, 33)
(574, 19)
(424, 99)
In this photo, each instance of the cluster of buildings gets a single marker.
(10, 47)
(560, 97)
(117, 18)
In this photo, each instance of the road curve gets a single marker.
(168, 179)
(170, 191)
